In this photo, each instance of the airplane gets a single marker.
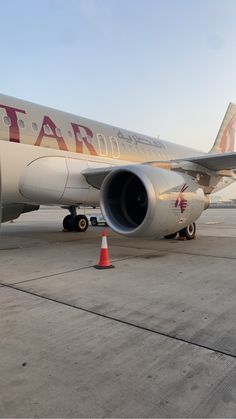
(146, 187)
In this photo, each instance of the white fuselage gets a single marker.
(44, 151)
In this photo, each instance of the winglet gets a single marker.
(225, 140)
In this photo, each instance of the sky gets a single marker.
(164, 68)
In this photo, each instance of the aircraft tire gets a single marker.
(188, 232)
(171, 236)
(69, 223)
(81, 223)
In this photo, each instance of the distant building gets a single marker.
(215, 199)
(218, 202)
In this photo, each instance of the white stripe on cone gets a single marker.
(104, 242)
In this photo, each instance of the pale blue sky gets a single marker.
(161, 67)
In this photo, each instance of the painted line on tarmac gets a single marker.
(124, 322)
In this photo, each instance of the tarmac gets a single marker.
(154, 337)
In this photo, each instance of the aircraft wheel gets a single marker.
(188, 232)
(94, 221)
(81, 223)
(171, 236)
(69, 223)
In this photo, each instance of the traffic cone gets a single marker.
(104, 262)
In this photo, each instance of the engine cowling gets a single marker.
(143, 201)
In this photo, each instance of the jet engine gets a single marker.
(144, 201)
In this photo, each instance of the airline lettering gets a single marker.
(60, 140)
(14, 132)
(81, 139)
(82, 134)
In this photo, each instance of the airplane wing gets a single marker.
(95, 177)
(214, 162)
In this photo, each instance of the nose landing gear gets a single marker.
(74, 222)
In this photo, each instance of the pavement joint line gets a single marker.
(119, 260)
(139, 248)
(61, 273)
(178, 253)
(9, 248)
(124, 322)
(204, 255)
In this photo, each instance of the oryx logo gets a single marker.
(181, 202)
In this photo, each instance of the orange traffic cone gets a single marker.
(104, 262)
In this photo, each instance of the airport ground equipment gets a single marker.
(96, 219)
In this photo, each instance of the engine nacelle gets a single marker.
(143, 201)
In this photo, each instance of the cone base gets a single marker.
(104, 267)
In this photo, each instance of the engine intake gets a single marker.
(126, 199)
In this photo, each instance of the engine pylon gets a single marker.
(104, 262)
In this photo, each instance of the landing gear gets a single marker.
(74, 222)
(81, 223)
(188, 232)
(171, 236)
(69, 223)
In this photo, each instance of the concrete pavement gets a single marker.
(154, 337)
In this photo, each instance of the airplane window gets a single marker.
(21, 123)
(47, 129)
(102, 144)
(58, 132)
(7, 120)
(34, 126)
